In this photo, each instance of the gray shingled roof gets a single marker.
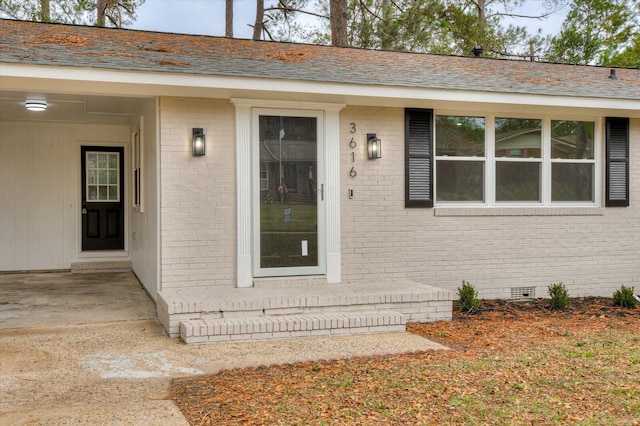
(77, 46)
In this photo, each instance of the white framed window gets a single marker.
(503, 160)
(572, 161)
(137, 163)
(103, 177)
(460, 159)
(518, 160)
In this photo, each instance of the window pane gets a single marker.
(517, 181)
(92, 161)
(572, 139)
(113, 193)
(102, 192)
(113, 176)
(93, 192)
(518, 138)
(92, 177)
(460, 180)
(572, 182)
(459, 136)
(113, 161)
(102, 177)
(102, 161)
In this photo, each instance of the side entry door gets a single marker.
(102, 198)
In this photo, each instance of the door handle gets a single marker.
(84, 210)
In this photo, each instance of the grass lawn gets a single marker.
(509, 364)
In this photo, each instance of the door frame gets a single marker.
(103, 253)
(320, 269)
(244, 183)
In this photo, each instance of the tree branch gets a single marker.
(292, 10)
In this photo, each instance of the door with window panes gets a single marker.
(102, 198)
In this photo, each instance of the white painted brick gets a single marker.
(444, 250)
(219, 338)
(197, 339)
(262, 336)
(282, 335)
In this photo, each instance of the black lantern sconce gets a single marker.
(374, 146)
(198, 142)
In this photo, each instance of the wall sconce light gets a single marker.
(198, 142)
(36, 105)
(374, 146)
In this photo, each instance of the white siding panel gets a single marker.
(39, 191)
(144, 226)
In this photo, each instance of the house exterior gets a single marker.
(511, 175)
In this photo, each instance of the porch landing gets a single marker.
(214, 314)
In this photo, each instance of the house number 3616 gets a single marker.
(352, 145)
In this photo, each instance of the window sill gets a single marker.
(518, 211)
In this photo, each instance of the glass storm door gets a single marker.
(288, 193)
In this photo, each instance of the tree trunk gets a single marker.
(385, 37)
(228, 23)
(101, 7)
(45, 11)
(482, 10)
(257, 27)
(338, 10)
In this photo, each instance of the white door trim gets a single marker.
(244, 183)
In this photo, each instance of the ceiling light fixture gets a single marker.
(36, 105)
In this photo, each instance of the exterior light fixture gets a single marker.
(198, 142)
(36, 105)
(374, 146)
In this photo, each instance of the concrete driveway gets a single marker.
(105, 367)
(64, 298)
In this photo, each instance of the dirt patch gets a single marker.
(513, 363)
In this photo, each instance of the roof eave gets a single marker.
(100, 81)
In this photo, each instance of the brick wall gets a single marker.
(381, 239)
(592, 254)
(198, 203)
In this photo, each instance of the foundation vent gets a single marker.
(523, 292)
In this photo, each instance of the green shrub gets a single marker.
(468, 295)
(559, 296)
(624, 297)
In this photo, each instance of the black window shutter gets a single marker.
(617, 162)
(418, 134)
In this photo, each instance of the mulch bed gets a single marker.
(481, 380)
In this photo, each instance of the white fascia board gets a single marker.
(136, 83)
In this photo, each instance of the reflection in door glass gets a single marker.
(288, 192)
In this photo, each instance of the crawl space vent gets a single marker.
(523, 292)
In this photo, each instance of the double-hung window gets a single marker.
(498, 160)
(501, 160)
(460, 158)
(572, 161)
(518, 160)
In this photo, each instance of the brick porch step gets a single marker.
(289, 326)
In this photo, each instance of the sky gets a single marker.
(206, 17)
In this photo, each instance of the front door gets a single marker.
(288, 194)
(102, 198)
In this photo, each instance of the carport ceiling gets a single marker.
(70, 108)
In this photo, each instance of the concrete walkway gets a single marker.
(118, 372)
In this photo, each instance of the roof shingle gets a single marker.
(117, 49)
